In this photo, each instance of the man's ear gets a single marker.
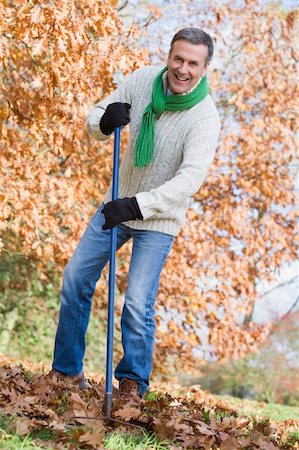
(205, 70)
(168, 57)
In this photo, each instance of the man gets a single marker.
(174, 128)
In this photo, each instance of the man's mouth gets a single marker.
(180, 78)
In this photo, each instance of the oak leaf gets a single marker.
(93, 437)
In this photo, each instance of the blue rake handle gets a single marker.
(113, 240)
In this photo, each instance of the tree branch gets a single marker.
(291, 309)
(123, 6)
(285, 283)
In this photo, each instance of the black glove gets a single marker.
(121, 210)
(116, 115)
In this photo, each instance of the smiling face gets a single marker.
(186, 65)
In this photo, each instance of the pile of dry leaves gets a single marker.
(194, 420)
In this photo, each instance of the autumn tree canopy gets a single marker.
(242, 226)
(57, 60)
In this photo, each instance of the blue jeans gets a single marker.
(150, 249)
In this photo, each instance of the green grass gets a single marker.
(139, 440)
(280, 412)
(151, 395)
(5, 423)
(45, 434)
(15, 442)
(293, 437)
(63, 405)
(260, 410)
(9, 440)
(134, 441)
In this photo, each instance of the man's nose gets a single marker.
(183, 67)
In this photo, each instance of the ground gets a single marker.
(39, 412)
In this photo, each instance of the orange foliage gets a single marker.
(243, 225)
(58, 59)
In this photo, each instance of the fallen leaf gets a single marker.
(229, 443)
(93, 437)
(22, 425)
(127, 414)
(265, 445)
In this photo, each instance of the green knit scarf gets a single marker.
(144, 148)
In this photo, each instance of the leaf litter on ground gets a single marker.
(188, 419)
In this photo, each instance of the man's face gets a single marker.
(186, 65)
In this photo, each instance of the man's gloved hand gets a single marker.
(116, 115)
(121, 210)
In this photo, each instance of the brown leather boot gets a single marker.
(75, 379)
(127, 395)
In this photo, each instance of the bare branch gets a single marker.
(123, 5)
(285, 283)
(291, 309)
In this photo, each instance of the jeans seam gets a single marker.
(147, 310)
(150, 334)
(79, 322)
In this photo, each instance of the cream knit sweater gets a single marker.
(184, 147)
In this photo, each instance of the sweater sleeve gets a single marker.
(199, 150)
(121, 94)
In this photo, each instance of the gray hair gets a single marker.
(195, 36)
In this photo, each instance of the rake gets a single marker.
(110, 323)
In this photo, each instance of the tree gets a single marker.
(241, 228)
(57, 61)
